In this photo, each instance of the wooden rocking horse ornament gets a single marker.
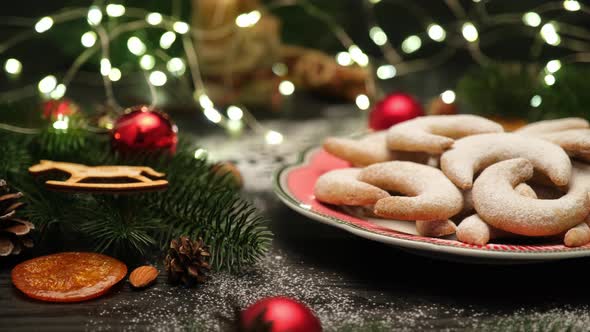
(81, 177)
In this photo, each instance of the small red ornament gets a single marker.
(53, 109)
(395, 108)
(142, 129)
(282, 314)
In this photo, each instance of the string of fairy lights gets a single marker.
(548, 32)
(98, 39)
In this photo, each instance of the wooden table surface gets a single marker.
(349, 281)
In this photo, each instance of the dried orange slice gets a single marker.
(68, 276)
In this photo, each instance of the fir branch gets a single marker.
(13, 154)
(197, 202)
(120, 224)
(209, 207)
(56, 143)
(568, 96)
(506, 91)
(499, 90)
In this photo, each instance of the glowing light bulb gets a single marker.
(571, 5)
(411, 44)
(553, 66)
(247, 20)
(212, 114)
(286, 88)
(235, 113)
(201, 154)
(374, 1)
(362, 102)
(180, 27)
(94, 16)
(147, 62)
(47, 84)
(234, 126)
(167, 39)
(549, 34)
(549, 79)
(386, 72)
(105, 66)
(436, 32)
(176, 66)
(115, 74)
(205, 101)
(58, 92)
(358, 55)
(536, 101)
(548, 28)
(158, 78)
(469, 32)
(13, 66)
(344, 59)
(44, 24)
(531, 19)
(136, 46)
(448, 97)
(154, 18)
(378, 35)
(280, 69)
(273, 137)
(88, 39)
(62, 122)
(115, 10)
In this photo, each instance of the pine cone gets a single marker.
(14, 232)
(187, 261)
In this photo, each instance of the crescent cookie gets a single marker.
(576, 142)
(431, 195)
(435, 228)
(473, 230)
(499, 205)
(577, 236)
(434, 134)
(548, 126)
(474, 153)
(370, 149)
(341, 187)
(367, 150)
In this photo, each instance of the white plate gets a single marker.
(294, 186)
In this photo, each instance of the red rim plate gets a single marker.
(294, 186)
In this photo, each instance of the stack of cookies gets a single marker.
(463, 174)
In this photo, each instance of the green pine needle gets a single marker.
(499, 90)
(506, 90)
(197, 203)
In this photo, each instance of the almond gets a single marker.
(143, 276)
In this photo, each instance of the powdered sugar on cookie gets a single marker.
(474, 153)
(429, 194)
(341, 187)
(434, 134)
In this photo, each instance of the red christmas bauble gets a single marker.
(283, 313)
(395, 108)
(142, 129)
(52, 109)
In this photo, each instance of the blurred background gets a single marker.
(229, 63)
